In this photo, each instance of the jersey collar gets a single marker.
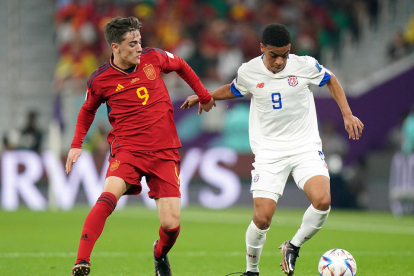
(270, 74)
(122, 71)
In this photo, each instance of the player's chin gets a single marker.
(137, 60)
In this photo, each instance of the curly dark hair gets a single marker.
(116, 29)
(276, 35)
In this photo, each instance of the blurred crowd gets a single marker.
(403, 42)
(214, 36)
(30, 137)
(401, 137)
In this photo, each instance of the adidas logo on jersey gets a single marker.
(119, 87)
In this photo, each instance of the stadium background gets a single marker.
(49, 48)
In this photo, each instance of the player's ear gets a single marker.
(115, 47)
(262, 48)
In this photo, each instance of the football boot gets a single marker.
(247, 273)
(81, 269)
(290, 253)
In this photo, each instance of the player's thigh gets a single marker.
(116, 186)
(311, 175)
(124, 166)
(317, 188)
(169, 210)
(307, 165)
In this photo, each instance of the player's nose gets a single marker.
(279, 61)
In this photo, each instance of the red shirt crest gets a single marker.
(150, 72)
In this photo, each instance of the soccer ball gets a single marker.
(337, 262)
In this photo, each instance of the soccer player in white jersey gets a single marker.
(284, 138)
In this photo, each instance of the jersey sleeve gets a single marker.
(239, 85)
(86, 115)
(170, 62)
(318, 74)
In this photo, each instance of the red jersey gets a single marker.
(139, 106)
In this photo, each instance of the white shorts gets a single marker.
(270, 175)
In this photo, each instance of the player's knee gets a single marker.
(262, 221)
(322, 203)
(170, 222)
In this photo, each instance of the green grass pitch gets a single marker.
(211, 242)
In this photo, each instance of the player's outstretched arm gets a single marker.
(222, 93)
(353, 125)
(72, 158)
(84, 122)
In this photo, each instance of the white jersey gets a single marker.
(282, 110)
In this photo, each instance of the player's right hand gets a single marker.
(73, 156)
(206, 107)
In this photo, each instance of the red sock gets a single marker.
(166, 241)
(94, 224)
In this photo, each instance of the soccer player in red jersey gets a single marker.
(143, 140)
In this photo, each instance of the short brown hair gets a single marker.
(116, 29)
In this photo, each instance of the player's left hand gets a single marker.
(190, 102)
(206, 107)
(353, 126)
